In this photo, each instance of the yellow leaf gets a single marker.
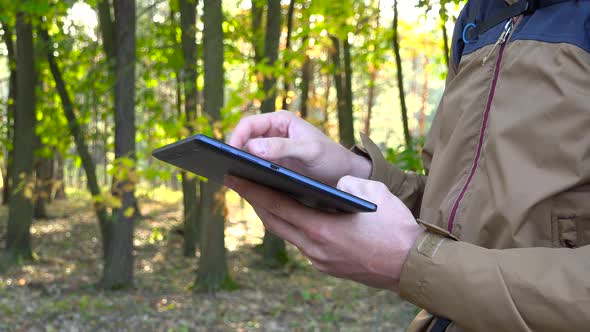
(133, 177)
(129, 212)
(128, 187)
(98, 198)
(184, 132)
(115, 202)
(28, 193)
(217, 133)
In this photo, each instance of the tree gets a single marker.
(10, 110)
(374, 60)
(444, 17)
(306, 78)
(287, 80)
(188, 20)
(273, 247)
(271, 54)
(400, 77)
(20, 215)
(118, 269)
(43, 183)
(371, 101)
(212, 273)
(60, 189)
(107, 28)
(345, 119)
(257, 36)
(343, 91)
(77, 133)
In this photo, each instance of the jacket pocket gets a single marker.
(570, 218)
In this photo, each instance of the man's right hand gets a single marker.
(286, 139)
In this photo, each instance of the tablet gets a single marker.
(212, 159)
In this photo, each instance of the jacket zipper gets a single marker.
(508, 28)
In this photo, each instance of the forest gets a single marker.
(96, 234)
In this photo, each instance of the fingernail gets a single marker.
(260, 147)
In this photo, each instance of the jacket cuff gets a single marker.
(381, 170)
(420, 275)
(436, 230)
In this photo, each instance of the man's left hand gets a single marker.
(369, 248)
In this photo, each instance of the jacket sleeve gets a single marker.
(407, 186)
(524, 289)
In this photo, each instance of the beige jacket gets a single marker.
(506, 198)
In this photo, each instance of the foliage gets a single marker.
(408, 159)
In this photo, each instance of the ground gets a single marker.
(57, 291)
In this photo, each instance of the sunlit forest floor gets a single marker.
(57, 292)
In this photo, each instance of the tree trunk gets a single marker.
(118, 268)
(43, 186)
(111, 36)
(327, 104)
(345, 128)
(108, 35)
(60, 184)
(400, 77)
(373, 70)
(371, 101)
(174, 177)
(20, 215)
(105, 159)
(212, 272)
(257, 10)
(190, 214)
(287, 80)
(306, 77)
(79, 139)
(443, 25)
(346, 120)
(274, 250)
(107, 28)
(10, 111)
(6, 176)
(422, 117)
(188, 24)
(271, 53)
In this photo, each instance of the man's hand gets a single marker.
(286, 139)
(369, 248)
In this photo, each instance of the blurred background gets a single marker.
(95, 234)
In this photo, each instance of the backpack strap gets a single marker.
(525, 7)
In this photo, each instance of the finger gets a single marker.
(269, 124)
(277, 203)
(276, 148)
(281, 228)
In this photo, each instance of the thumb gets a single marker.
(275, 148)
(365, 189)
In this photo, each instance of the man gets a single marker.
(501, 243)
